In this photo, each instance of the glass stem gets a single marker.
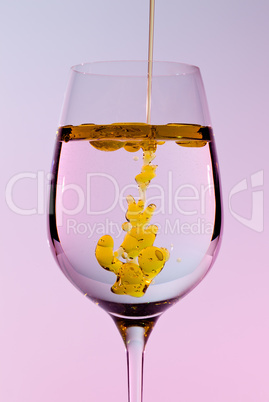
(135, 334)
(135, 346)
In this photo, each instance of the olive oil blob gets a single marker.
(142, 261)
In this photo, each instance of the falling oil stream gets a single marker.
(150, 58)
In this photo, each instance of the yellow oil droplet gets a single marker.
(159, 255)
(192, 144)
(126, 226)
(132, 147)
(107, 146)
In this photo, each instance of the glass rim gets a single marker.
(183, 68)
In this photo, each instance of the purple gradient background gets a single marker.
(54, 344)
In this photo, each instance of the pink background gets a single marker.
(54, 344)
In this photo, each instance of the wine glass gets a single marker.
(135, 206)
